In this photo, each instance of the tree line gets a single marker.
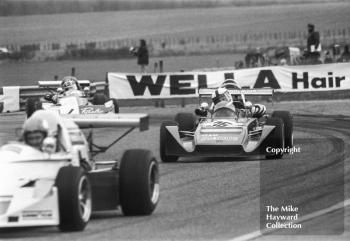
(32, 7)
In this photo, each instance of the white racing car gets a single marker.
(61, 183)
(71, 96)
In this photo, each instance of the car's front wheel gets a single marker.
(163, 142)
(116, 106)
(275, 142)
(139, 182)
(32, 105)
(287, 119)
(74, 195)
(99, 99)
(186, 122)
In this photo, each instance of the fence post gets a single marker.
(73, 71)
(183, 102)
(160, 66)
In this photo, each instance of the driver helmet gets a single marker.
(69, 83)
(35, 130)
(230, 84)
(221, 94)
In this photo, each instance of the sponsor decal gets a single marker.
(222, 124)
(217, 138)
(93, 109)
(42, 214)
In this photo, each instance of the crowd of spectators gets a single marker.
(312, 54)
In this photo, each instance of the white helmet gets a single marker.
(35, 130)
(230, 84)
(69, 83)
(40, 125)
(221, 94)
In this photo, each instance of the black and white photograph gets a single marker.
(174, 120)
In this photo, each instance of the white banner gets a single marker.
(9, 98)
(323, 77)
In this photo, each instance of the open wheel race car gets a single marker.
(227, 131)
(62, 183)
(72, 96)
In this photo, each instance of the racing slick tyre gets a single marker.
(139, 182)
(74, 197)
(186, 121)
(33, 104)
(116, 106)
(287, 119)
(99, 99)
(163, 141)
(275, 140)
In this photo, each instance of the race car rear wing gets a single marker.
(110, 120)
(57, 83)
(249, 92)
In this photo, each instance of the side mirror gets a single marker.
(49, 145)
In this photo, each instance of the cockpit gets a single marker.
(224, 110)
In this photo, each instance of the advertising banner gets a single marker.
(323, 77)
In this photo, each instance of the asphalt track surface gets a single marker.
(220, 199)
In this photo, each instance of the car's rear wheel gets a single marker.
(74, 195)
(287, 119)
(116, 106)
(186, 122)
(99, 99)
(275, 142)
(163, 140)
(32, 105)
(139, 182)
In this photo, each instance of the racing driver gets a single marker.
(222, 94)
(69, 87)
(39, 131)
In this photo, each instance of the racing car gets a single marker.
(62, 183)
(228, 131)
(72, 96)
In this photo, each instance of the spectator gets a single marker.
(328, 58)
(142, 54)
(239, 64)
(313, 45)
(345, 56)
(283, 62)
(336, 52)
